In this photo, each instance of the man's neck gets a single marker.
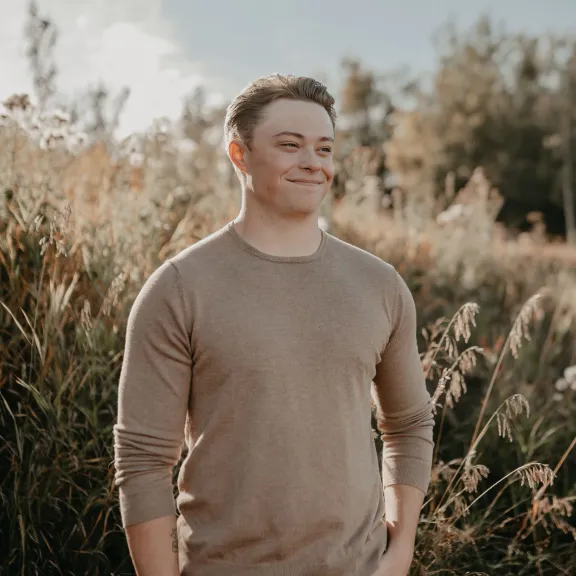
(279, 238)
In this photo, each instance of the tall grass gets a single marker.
(79, 232)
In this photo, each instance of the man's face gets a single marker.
(290, 168)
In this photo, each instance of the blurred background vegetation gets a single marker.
(465, 185)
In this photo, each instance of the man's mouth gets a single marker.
(310, 182)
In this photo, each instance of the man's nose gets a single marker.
(310, 160)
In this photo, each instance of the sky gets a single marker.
(163, 49)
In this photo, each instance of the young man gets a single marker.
(261, 346)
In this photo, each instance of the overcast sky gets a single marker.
(163, 48)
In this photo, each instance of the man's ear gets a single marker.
(236, 153)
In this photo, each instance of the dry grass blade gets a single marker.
(520, 327)
(17, 431)
(465, 362)
(519, 330)
(514, 406)
(111, 298)
(34, 335)
(462, 319)
(532, 474)
(557, 467)
(20, 327)
(130, 214)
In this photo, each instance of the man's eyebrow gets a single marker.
(301, 136)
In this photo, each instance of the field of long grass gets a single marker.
(81, 229)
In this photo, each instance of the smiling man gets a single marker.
(261, 347)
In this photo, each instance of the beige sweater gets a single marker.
(265, 366)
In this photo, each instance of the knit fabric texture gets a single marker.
(265, 367)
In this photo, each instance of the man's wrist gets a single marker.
(401, 540)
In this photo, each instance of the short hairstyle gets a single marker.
(245, 111)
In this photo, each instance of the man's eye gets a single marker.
(328, 150)
(289, 144)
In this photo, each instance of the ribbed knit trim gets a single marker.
(406, 470)
(255, 252)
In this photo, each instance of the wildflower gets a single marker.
(567, 381)
(17, 102)
(561, 384)
(60, 117)
(570, 374)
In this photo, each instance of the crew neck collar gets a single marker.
(242, 243)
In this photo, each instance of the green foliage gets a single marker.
(498, 100)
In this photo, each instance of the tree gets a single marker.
(41, 36)
(102, 110)
(496, 102)
(365, 106)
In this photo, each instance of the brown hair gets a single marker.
(245, 110)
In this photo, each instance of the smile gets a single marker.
(306, 182)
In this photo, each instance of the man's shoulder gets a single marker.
(362, 260)
(189, 266)
(209, 248)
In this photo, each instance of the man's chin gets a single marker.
(305, 212)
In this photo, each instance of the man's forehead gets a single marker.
(300, 136)
(310, 121)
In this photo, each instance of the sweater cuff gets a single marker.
(146, 505)
(406, 470)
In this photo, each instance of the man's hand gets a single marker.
(403, 505)
(395, 561)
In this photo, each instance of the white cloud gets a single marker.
(121, 43)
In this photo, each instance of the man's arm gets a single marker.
(404, 416)
(154, 547)
(403, 505)
(153, 398)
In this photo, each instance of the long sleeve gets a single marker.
(154, 389)
(403, 407)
